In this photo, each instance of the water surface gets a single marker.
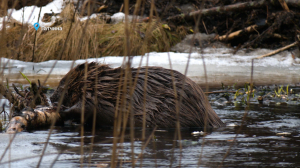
(257, 143)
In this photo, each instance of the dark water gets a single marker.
(257, 144)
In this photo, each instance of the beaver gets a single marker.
(195, 110)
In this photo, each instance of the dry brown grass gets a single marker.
(100, 39)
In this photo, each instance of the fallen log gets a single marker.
(234, 7)
(34, 118)
(293, 3)
(20, 4)
(23, 104)
(221, 9)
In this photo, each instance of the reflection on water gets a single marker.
(256, 145)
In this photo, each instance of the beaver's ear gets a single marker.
(57, 93)
(62, 81)
(80, 67)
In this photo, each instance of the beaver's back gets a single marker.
(194, 109)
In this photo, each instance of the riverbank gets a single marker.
(221, 67)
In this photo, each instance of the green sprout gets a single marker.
(280, 90)
(276, 93)
(24, 76)
(236, 94)
(233, 87)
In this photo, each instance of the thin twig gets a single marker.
(284, 5)
(223, 91)
(278, 50)
(121, 8)
(204, 27)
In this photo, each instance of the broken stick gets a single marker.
(284, 5)
(237, 33)
(17, 100)
(33, 118)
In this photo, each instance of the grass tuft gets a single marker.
(100, 38)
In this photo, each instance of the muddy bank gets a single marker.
(20, 4)
(242, 23)
(238, 24)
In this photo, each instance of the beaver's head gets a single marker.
(59, 91)
(70, 84)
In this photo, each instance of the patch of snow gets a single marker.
(220, 67)
(117, 17)
(162, 59)
(91, 17)
(30, 14)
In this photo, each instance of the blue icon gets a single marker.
(36, 26)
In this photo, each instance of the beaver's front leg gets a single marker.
(75, 111)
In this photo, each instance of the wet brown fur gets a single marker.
(160, 98)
